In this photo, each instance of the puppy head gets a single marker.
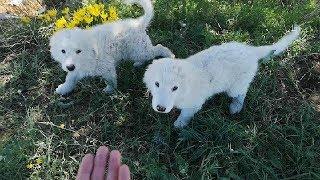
(73, 49)
(165, 79)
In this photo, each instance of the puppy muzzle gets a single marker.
(71, 67)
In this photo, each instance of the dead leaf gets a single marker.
(76, 134)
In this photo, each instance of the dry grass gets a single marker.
(28, 8)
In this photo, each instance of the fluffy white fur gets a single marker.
(97, 51)
(187, 84)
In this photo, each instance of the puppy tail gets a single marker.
(280, 46)
(286, 41)
(148, 11)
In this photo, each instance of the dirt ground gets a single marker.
(27, 8)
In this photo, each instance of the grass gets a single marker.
(276, 136)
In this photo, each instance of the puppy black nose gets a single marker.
(160, 108)
(71, 67)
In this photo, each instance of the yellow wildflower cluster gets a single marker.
(35, 163)
(49, 16)
(84, 17)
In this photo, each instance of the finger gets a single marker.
(114, 164)
(124, 172)
(100, 162)
(85, 168)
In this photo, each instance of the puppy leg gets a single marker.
(111, 80)
(237, 104)
(238, 93)
(68, 85)
(161, 51)
(185, 116)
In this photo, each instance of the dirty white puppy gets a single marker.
(187, 84)
(97, 51)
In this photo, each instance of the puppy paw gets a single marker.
(172, 56)
(168, 54)
(180, 124)
(109, 89)
(164, 52)
(63, 89)
(235, 107)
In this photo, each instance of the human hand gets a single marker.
(94, 167)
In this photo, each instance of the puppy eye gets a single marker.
(174, 88)
(78, 51)
(63, 51)
(157, 84)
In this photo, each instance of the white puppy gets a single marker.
(97, 51)
(187, 84)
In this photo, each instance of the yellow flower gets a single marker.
(46, 18)
(72, 24)
(79, 14)
(113, 15)
(88, 19)
(98, 7)
(94, 9)
(52, 13)
(81, 11)
(104, 15)
(25, 20)
(30, 166)
(61, 23)
(39, 161)
(61, 126)
(65, 11)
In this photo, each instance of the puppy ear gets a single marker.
(147, 78)
(59, 35)
(53, 39)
